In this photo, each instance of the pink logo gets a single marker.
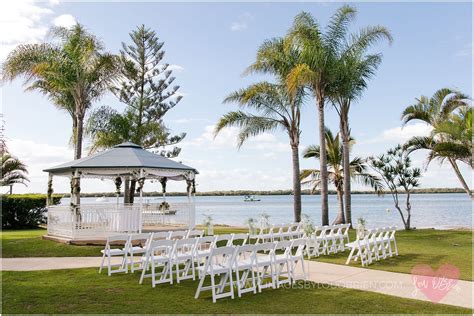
(435, 284)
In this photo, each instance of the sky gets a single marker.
(209, 45)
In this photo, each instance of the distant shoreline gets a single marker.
(252, 192)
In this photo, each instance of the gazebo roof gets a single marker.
(125, 159)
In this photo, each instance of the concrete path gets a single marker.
(390, 283)
(34, 264)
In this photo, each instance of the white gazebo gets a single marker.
(127, 161)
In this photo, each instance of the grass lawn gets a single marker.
(86, 291)
(427, 246)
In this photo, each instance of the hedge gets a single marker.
(24, 210)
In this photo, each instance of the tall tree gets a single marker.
(352, 74)
(278, 57)
(444, 113)
(73, 71)
(147, 89)
(321, 54)
(358, 171)
(272, 108)
(13, 171)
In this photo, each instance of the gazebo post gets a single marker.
(141, 201)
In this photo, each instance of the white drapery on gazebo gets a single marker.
(126, 161)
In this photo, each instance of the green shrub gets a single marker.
(24, 210)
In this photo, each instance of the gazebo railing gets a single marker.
(102, 220)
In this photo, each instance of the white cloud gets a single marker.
(65, 20)
(21, 22)
(242, 22)
(27, 22)
(400, 134)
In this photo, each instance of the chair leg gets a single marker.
(201, 282)
(102, 263)
(213, 288)
(350, 255)
(109, 265)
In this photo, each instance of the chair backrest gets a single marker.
(244, 252)
(299, 244)
(118, 241)
(162, 247)
(284, 245)
(266, 246)
(277, 229)
(178, 234)
(240, 239)
(195, 233)
(185, 245)
(142, 239)
(222, 256)
(160, 235)
(205, 242)
(345, 229)
(226, 237)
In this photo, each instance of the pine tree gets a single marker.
(146, 87)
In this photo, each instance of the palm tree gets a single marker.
(72, 71)
(440, 112)
(358, 170)
(272, 108)
(321, 53)
(13, 171)
(353, 73)
(278, 57)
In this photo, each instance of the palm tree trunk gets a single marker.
(11, 188)
(296, 184)
(74, 133)
(344, 129)
(78, 140)
(323, 167)
(460, 177)
(340, 214)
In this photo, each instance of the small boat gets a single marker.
(251, 198)
(102, 199)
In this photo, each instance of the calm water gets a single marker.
(428, 210)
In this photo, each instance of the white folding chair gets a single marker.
(225, 240)
(296, 256)
(360, 249)
(379, 239)
(345, 235)
(203, 248)
(137, 246)
(239, 239)
(323, 238)
(159, 255)
(313, 243)
(243, 266)
(116, 246)
(178, 234)
(264, 265)
(332, 239)
(373, 245)
(281, 262)
(219, 263)
(393, 230)
(184, 254)
(195, 233)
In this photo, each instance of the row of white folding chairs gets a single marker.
(278, 233)
(136, 244)
(327, 239)
(255, 266)
(377, 244)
